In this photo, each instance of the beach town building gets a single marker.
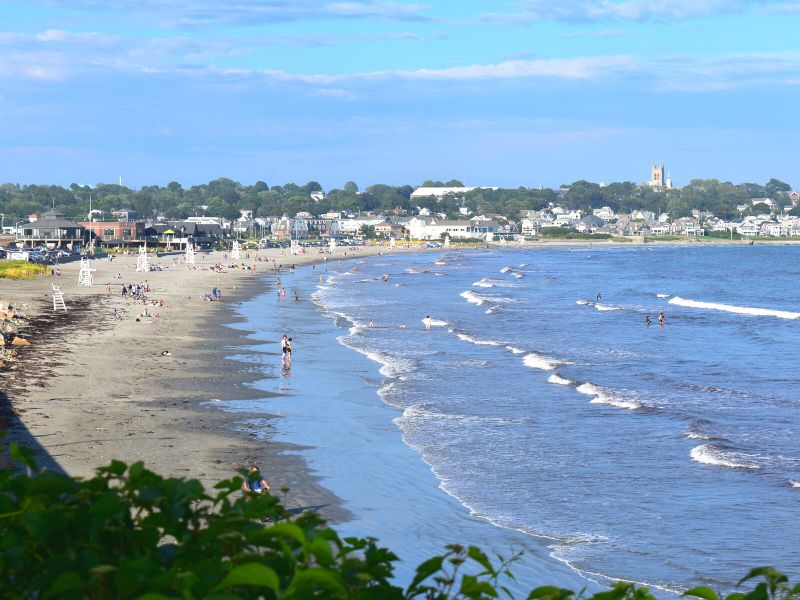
(659, 180)
(50, 229)
(441, 192)
(605, 213)
(435, 229)
(590, 224)
(794, 197)
(115, 233)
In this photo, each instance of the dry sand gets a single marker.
(95, 384)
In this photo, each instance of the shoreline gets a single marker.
(94, 384)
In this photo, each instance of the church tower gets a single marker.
(657, 179)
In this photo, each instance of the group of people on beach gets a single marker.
(136, 291)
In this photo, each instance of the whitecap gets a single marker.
(472, 297)
(709, 454)
(662, 295)
(606, 307)
(477, 341)
(543, 363)
(583, 302)
(493, 309)
(515, 350)
(742, 310)
(794, 484)
(605, 396)
(558, 380)
(484, 283)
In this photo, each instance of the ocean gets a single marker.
(541, 413)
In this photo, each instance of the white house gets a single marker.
(605, 213)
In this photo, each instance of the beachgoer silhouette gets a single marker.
(661, 319)
(647, 320)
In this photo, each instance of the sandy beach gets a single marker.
(97, 384)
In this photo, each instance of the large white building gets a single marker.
(441, 192)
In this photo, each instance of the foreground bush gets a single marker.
(129, 533)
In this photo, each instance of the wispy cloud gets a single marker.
(54, 55)
(577, 11)
(208, 13)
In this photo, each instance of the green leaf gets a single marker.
(480, 557)
(252, 574)
(549, 592)
(309, 582)
(24, 455)
(65, 582)
(426, 569)
(154, 596)
(702, 592)
(767, 572)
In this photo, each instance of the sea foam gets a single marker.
(477, 341)
(537, 361)
(741, 310)
(558, 380)
(604, 396)
(710, 454)
(472, 297)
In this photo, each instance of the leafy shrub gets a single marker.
(21, 269)
(129, 533)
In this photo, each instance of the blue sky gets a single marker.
(509, 92)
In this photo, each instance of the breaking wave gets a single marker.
(711, 454)
(741, 310)
(605, 396)
(543, 363)
(558, 380)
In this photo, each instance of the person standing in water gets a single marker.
(288, 352)
(661, 319)
(647, 320)
(427, 321)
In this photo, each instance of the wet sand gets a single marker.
(97, 385)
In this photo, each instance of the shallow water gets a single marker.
(665, 455)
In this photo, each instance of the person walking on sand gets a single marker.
(661, 319)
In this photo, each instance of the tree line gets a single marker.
(225, 197)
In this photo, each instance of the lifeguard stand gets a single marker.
(85, 276)
(332, 246)
(142, 263)
(235, 251)
(446, 241)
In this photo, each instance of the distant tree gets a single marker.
(431, 183)
(775, 187)
(677, 208)
(454, 183)
(260, 186)
(759, 209)
(351, 187)
(313, 186)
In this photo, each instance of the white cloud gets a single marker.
(624, 10)
(207, 13)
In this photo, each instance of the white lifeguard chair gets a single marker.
(294, 246)
(235, 250)
(392, 243)
(446, 241)
(58, 299)
(85, 276)
(142, 263)
(332, 246)
(189, 254)
(490, 237)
